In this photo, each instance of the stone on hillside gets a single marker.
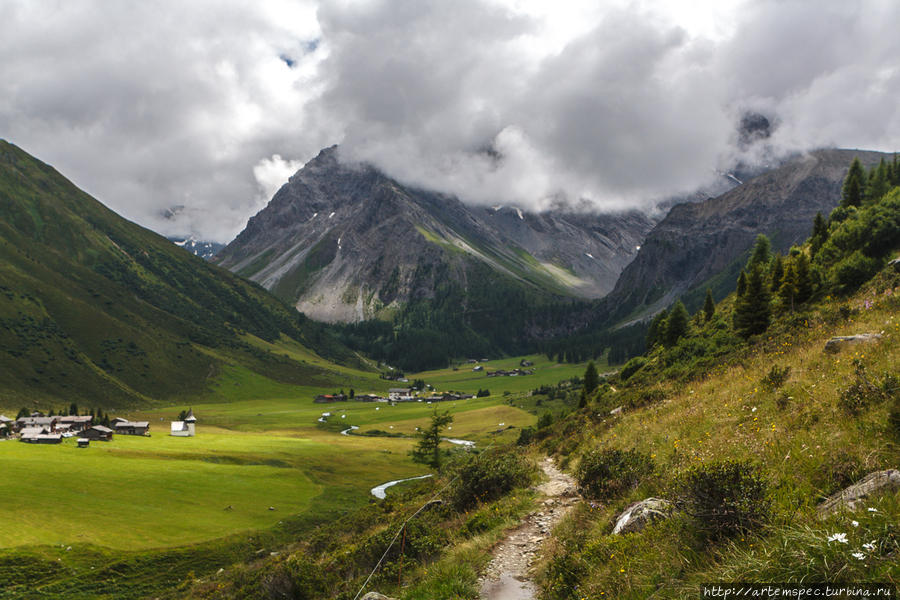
(838, 342)
(376, 596)
(638, 515)
(862, 489)
(896, 264)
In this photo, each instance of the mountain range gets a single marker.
(100, 311)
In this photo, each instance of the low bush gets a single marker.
(725, 498)
(607, 474)
(775, 378)
(632, 367)
(864, 392)
(486, 476)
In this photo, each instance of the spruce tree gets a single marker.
(777, 272)
(854, 183)
(676, 324)
(752, 310)
(819, 234)
(427, 451)
(787, 291)
(879, 183)
(591, 378)
(657, 329)
(709, 306)
(762, 252)
(742, 284)
(804, 279)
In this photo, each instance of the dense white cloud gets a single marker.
(154, 105)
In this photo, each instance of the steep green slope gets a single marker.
(98, 310)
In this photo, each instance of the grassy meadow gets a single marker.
(259, 444)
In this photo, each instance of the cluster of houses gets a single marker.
(39, 429)
(513, 373)
(394, 395)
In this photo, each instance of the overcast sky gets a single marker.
(202, 109)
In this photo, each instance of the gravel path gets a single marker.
(507, 576)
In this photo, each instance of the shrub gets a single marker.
(862, 393)
(725, 498)
(545, 420)
(631, 367)
(776, 378)
(606, 474)
(526, 436)
(486, 476)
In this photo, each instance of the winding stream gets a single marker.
(379, 490)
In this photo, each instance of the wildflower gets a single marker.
(838, 537)
(870, 509)
(859, 555)
(870, 546)
(854, 523)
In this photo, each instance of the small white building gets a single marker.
(184, 428)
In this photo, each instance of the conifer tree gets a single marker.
(709, 306)
(762, 252)
(819, 234)
(427, 451)
(752, 310)
(777, 272)
(742, 284)
(787, 291)
(854, 183)
(878, 184)
(804, 279)
(676, 324)
(656, 331)
(591, 378)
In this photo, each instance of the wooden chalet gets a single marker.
(98, 432)
(132, 427)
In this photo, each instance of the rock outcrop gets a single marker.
(849, 498)
(836, 343)
(640, 514)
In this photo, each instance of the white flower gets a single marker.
(870, 546)
(859, 555)
(872, 509)
(839, 537)
(854, 523)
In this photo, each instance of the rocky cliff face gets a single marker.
(346, 243)
(705, 243)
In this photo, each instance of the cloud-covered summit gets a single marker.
(210, 105)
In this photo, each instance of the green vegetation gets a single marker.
(97, 310)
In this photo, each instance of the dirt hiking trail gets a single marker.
(508, 575)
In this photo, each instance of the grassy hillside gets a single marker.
(97, 310)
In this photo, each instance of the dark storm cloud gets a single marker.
(211, 105)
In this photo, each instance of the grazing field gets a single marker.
(464, 379)
(159, 491)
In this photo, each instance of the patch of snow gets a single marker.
(519, 212)
(331, 215)
(589, 255)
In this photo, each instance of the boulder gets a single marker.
(838, 342)
(862, 489)
(376, 596)
(896, 264)
(638, 515)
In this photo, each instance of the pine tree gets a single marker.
(879, 183)
(591, 378)
(676, 324)
(656, 331)
(427, 451)
(752, 310)
(854, 183)
(762, 252)
(777, 272)
(709, 306)
(819, 234)
(804, 279)
(787, 291)
(742, 284)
